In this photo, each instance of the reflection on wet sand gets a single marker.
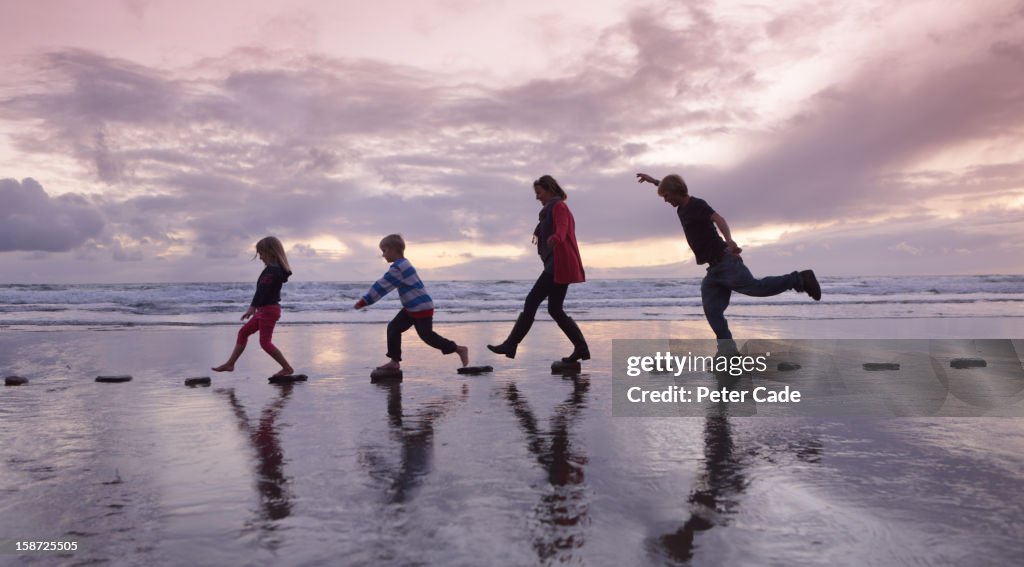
(716, 491)
(563, 512)
(714, 494)
(415, 433)
(275, 500)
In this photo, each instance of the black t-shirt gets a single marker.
(268, 287)
(701, 233)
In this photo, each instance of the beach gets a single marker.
(514, 467)
(835, 189)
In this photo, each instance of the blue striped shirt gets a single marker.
(402, 275)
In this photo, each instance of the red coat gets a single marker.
(568, 264)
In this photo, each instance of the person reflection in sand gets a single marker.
(716, 492)
(563, 512)
(415, 433)
(275, 500)
(714, 495)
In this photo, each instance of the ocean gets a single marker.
(669, 299)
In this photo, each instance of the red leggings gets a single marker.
(263, 321)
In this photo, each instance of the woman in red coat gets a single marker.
(555, 237)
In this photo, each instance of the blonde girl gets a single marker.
(265, 308)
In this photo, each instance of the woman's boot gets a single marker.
(580, 350)
(519, 330)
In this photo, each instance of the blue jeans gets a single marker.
(729, 275)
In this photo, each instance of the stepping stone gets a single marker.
(385, 375)
(15, 381)
(288, 379)
(199, 381)
(114, 379)
(475, 369)
(968, 363)
(876, 366)
(561, 367)
(788, 366)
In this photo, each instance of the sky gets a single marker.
(157, 141)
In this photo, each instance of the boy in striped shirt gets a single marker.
(417, 307)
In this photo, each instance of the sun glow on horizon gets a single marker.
(433, 255)
(642, 253)
(326, 245)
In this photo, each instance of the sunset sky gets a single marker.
(152, 140)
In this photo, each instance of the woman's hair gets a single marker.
(549, 184)
(393, 241)
(273, 251)
(673, 183)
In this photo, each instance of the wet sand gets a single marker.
(517, 467)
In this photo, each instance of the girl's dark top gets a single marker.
(268, 287)
(545, 228)
(701, 234)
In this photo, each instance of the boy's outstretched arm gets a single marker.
(641, 177)
(389, 281)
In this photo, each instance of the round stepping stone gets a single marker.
(15, 381)
(288, 379)
(876, 366)
(968, 363)
(198, 381)
(475, 369)
(114, 379)
(788, 366)
(385, 375)
(562, 367)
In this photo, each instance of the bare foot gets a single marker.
(463, 353)
(224, 368)
(287, 371)
(393, 365)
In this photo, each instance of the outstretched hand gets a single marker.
(642, 177)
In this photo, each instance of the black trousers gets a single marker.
(424, 328)
(546, 288)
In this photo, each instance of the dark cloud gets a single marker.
(33, 221)
(121, 254)
(302, 250)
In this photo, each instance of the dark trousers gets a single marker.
(546, 288)
(729, 275)
(424, 328)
